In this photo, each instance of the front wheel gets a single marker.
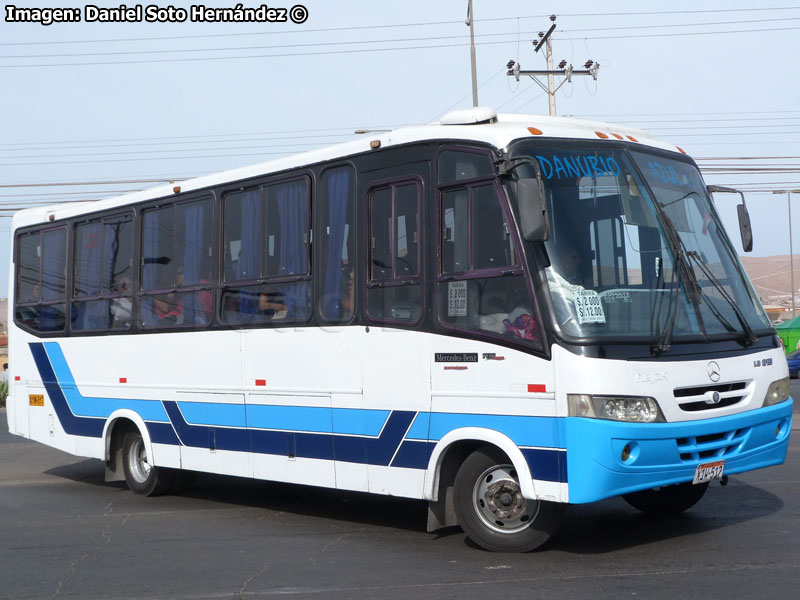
(667, 500)
(141, 475)
(492, 511)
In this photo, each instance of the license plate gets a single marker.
(36, 400)
(709, 471)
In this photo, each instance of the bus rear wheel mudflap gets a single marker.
(492, 510)
(141, 475)
(667, 500)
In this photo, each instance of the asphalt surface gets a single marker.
(64, 533)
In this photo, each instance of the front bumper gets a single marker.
(666, 453)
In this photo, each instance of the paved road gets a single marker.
(64, 533)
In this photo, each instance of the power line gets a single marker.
(88, 183)
(683, 34)
(603, 116)
(378, 41)
(129, 152)
(393, 26)
(221, 141)
(347, 130)
(746, 158)
(366, 50)
(700, 127)
(113, 160)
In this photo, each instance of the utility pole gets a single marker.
(791, 252)
(590, 68)
(471, 23)
(551, 80)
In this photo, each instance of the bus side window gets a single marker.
(394, 286)
(336, 202)
(266, 243)
(177, 265)
(481, 282)
(41, 280)
(102, 274)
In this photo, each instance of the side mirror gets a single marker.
(533, 210)
(744, 227)
(745, 231)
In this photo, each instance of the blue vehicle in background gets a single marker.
(793, 358)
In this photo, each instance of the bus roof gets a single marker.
(480, 124)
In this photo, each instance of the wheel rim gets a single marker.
(498, 501)
(137, 461)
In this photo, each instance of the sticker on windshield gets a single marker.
(588, 307)
(457, 299)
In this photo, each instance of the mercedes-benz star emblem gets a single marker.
(713, 371)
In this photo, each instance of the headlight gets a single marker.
(778, 392)
(632, 409)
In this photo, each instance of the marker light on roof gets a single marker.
(375, 144)
(618, 136)
(601, 135)
(176, 189)
(631, 138)
(535, 131)
(681, 150)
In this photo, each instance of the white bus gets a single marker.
(499, 314)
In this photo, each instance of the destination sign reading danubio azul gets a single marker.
(572, 165)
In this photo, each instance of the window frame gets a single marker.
(73, 245)
(65, 300)
(319, 253)
(208, 196)
(395, 282)
(261, 279)
(518, 270)
(226, 285)
(468, 184)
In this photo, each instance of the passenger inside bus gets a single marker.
(121, 308)
(272, 304)
(168, 309)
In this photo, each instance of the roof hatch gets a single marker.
(470, 116)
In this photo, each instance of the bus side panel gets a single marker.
(396, 379)
(479, 385)
(288, 410)
(186, 387)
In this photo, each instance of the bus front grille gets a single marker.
(707, 397)
(717, 445)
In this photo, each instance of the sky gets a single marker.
(126, 106)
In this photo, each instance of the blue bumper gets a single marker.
(665, 453)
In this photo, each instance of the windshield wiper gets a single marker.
(681, 273)
(749, 337)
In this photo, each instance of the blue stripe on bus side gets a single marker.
(72, 425)
(524, 431)
(83, 406)
(376, 437)
(546, 464)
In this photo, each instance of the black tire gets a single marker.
(491, 510)
(142, 477)
(667, 500)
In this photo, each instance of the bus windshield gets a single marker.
(636, 249)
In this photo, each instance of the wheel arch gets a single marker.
(473, 438)
(446, 458)
(117, 424)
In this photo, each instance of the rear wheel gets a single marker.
(667, 500)
(492, 511)
(140, 474)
